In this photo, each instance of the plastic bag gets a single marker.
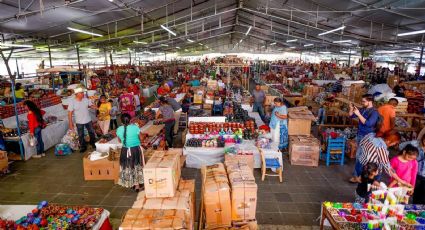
(71, 138)
(32, 141)
(62, 150)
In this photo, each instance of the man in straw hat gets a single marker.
(79, 107)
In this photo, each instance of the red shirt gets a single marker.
(134, 89)
(162, 91)
(32, 121)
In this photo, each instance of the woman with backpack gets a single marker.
(35, 125)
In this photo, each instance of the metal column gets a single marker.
(420, 61)
(78, 56)
(50, 57)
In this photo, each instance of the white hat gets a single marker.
(79, 90)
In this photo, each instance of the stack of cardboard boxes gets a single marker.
(167, 202)
(304, 149)
(229, 197)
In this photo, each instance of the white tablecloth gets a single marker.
(198, 157)
(15, 212)
(257, 118)
(52, 135)
(56, 110)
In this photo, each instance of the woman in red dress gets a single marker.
(35, 125)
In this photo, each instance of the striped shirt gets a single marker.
(374, 150)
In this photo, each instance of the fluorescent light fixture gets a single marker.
(292, 47)
(240, 41)
(140, 42)
(16, 45)
(307, 45)
(348, 52)
(325, 52)
(186, 50)
(168, 30)
(190, 40)
(393, 51)
(111, 0)
(84, 32)
(263, 46)
(249, 29)
(177, 47)
(272, 44)
(292, 40)
(331, 31)
(411, 33)
(207, 47)
(165, 45)
(201, 44)
(342, 41)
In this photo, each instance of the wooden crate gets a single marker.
(402, 107)
(103, 169)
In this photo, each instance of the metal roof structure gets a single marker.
(213, 25)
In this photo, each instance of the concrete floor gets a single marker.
(295, 202)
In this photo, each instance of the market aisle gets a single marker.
(296, 201)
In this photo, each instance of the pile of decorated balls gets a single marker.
(52, 216)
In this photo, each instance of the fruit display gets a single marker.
(12, 132)
(9, 110)
(52, 216)
(208, 143)
(216, 127)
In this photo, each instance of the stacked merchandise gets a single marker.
(415, 101)
(304, 149)
(53, 216)
(167, 202)
(3, 161)
(229, 198)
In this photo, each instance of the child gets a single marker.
(368, 179)
(405, 165)
(268, 116)
(114, 112)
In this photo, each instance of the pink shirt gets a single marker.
(405, 170)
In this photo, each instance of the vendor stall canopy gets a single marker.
(190, 26)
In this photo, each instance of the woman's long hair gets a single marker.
(18, 86)
(125, 119)
(35, 110)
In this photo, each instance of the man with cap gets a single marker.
(79, 108)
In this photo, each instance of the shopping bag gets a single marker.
(32, 141)
(62, 150)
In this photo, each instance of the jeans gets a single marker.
(40, 143)
(169, 129)
(258, 107)
(113, 123)
(359, 167)
(90, 130)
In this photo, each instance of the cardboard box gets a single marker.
(154, 219)
(189, 185)
(4, 162)
(304, 150)
(181, 201)
(269, 100)
(216, 195)
(103, 169)
(162, 174)
(292, 99)
(244, 191)
(247, 159)
(299, 121)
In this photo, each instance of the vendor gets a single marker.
(419, 191)
(132, 159)
(337, 86)
(35, 125)
(167, 113)
(399, 89)
(279, 124)
(258, 100)
(19, 92)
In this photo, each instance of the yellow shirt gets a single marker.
(20, 93)
(104, 110)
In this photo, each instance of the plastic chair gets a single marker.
(335, 151)
(271, 163)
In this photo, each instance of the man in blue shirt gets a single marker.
(419, 192)
(368, 117)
